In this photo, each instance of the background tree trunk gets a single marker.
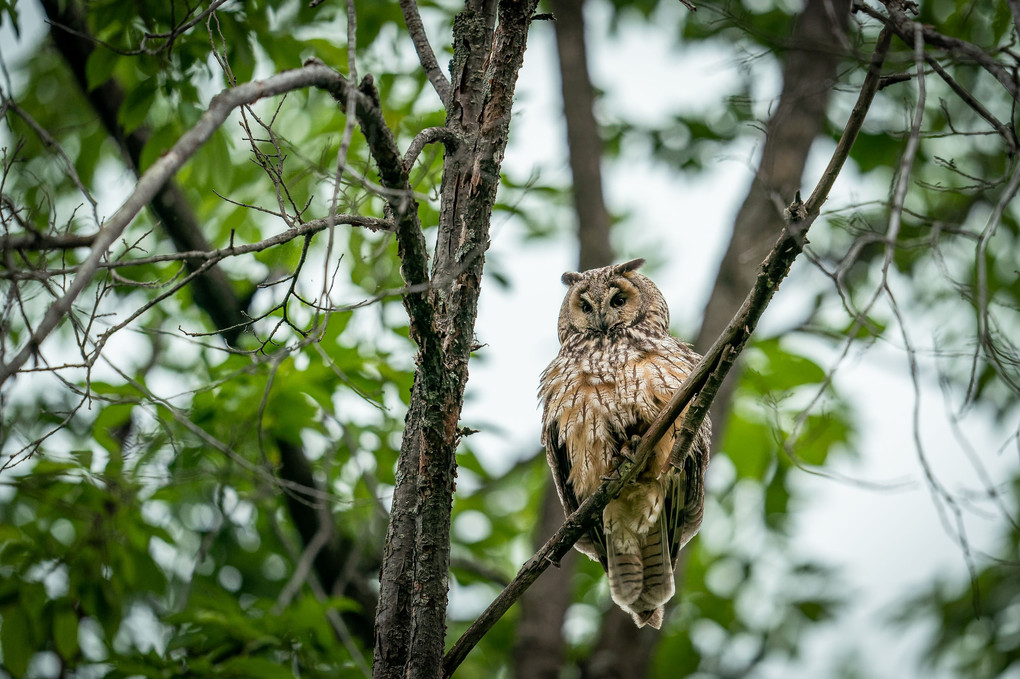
(539, 650)
(211, 290)
(816, 46)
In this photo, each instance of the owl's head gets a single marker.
(603, 302)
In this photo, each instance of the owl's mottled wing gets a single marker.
(684, 503)
(594, 543)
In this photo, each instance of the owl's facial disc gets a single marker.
(599, 309)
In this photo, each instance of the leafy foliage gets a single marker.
(144, 525)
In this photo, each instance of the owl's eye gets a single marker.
(619, 299)
(585, 306)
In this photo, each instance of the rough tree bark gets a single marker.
(411, 618)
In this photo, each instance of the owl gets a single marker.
(617, 368)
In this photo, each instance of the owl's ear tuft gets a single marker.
(628, 266)
(570, 277)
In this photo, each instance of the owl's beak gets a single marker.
(601, 323)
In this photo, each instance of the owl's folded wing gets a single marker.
(593, 544)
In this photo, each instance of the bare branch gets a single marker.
(29, 241)
(426, 56)
(1007, 133)
(904, 27)
(154, 178)
(429, 135)
(986, 344)
(52, 144)
(35, 240)
(853, 125)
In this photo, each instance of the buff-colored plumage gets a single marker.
(617, 368)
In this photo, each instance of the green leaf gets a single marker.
(783, 370)
(135, 109)
(99, 67)
(749, 444)
(16, 640)
(256, 668)
(65, 632)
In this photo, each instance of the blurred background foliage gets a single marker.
(144, 528)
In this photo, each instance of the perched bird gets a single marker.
(617, 368)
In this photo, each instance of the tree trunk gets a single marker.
(582, 136)
(411, 619)
(539, 650)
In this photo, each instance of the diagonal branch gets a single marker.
(155, 177)
(426, 56)
(904, 27)
(701, 385)
(1007, 133)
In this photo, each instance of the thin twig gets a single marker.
(1007, 133)
(52, 144)
(985, 339)
(426, 56)
(18, 242)
(313, 74)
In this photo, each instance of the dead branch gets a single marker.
(904, 28)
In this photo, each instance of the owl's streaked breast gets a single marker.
(595, 393)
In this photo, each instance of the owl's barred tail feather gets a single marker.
(624, 567)
(657, 581)
(642, 583)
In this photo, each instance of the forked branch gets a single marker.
(310, 75)
(699, 388)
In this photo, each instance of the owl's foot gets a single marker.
(628, 452)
